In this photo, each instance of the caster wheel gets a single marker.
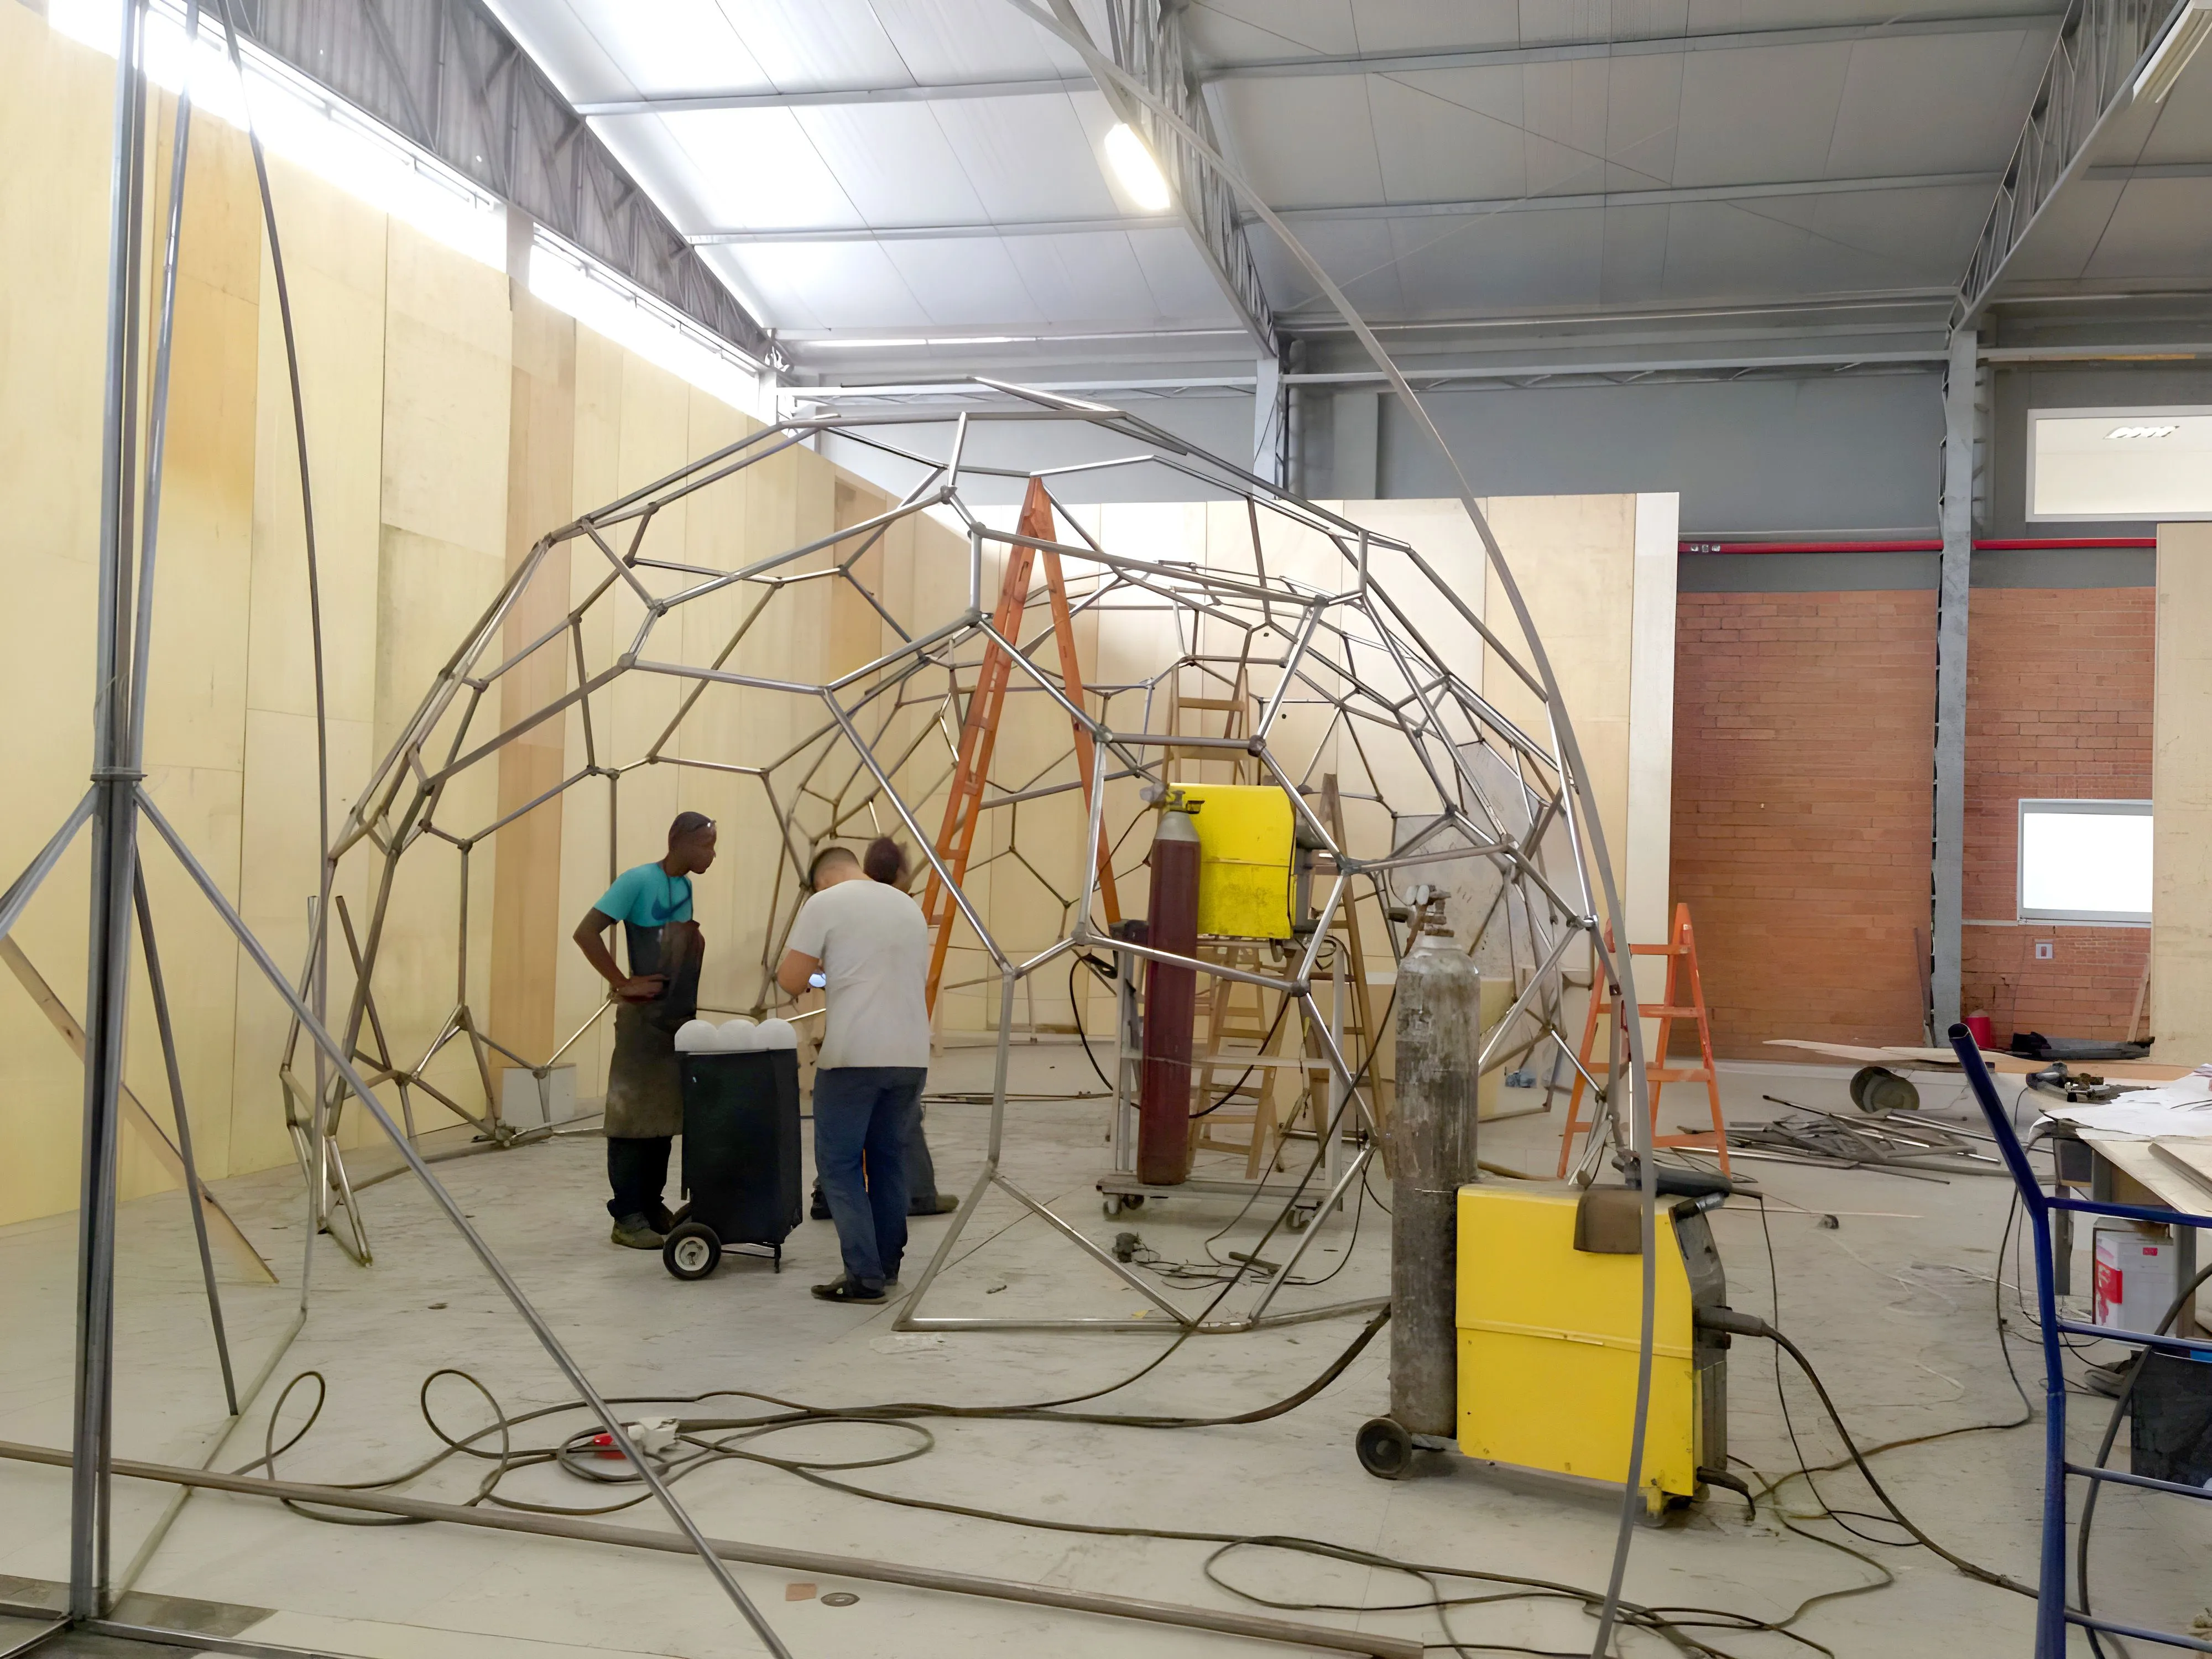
(692, 1251)
(1385, 1448)
(1298, 1221)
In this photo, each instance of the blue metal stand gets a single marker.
(2054, 1610)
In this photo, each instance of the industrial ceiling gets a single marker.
(859, 169)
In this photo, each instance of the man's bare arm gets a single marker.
(591, 939)
(794, 971)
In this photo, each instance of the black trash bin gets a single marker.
(740, 1158)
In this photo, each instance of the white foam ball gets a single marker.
(777, 1034)
(696, 1036)
(738, 1036)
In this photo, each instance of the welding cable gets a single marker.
(1729, 1320)
(582, 1454)
(1844, 1518)
(2105, 1449)
(1060, 20)
(1075, 1011)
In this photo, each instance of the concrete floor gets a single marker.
(1894, 1305)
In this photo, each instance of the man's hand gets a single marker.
(643, 989)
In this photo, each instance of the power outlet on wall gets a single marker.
(2043, 949)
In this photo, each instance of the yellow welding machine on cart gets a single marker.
(1550, 1322)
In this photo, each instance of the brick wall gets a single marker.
(1803, 726)
(2058, 705)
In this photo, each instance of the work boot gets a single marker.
(841, 1289)
(634, 1233)
(934, 1204)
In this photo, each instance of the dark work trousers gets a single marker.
(921, 1172)
(637, 1170)
(866, 1112)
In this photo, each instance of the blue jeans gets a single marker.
(871, 1110)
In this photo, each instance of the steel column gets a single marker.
(1959, 434)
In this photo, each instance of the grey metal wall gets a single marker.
(1848, 453)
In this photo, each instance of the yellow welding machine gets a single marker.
(1549, 1330)
(1245, 849)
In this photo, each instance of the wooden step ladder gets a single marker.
(979, 727)
(1681, 953)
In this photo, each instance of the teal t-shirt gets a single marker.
(647, 896)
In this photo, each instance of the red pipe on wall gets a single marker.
(2011, 545)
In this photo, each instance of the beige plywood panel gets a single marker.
(55, 102)
(2181, 797)
(447, 355)
(1573, 558)
(527, 933)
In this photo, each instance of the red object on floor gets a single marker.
(1985, 1036)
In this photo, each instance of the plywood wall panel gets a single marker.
(2181, 795)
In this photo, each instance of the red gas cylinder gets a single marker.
(1170, 1006)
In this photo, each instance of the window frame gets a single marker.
(2076, 806)
(2133, 412)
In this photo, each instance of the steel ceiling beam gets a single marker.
(1568, 52)
(954, 232)
(834, 97)
(446, 75)
(1665, 197)
(2089, 79)
(1145, 38)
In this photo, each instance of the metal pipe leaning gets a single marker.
(1256, 1627)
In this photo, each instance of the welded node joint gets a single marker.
(1306, 652)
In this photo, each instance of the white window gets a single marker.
(2126, 464)
(2085, 860)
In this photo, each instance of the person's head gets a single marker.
(885, 862)
(690, 844)
(831, 866)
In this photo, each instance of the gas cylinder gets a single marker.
(1432, 1151)
(1170, 1005)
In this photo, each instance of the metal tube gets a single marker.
(184, 1133)
(559, 1354)
(21, 889)
(106, 1007)
(812, 1563)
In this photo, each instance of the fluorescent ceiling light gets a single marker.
(2188, 31)
(1141, 175)
(2142, 432)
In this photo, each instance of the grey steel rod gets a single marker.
(106, 1006)
(20, 891)
(184, 1132)
(813, 1562)
(558, 1354)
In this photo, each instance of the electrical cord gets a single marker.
(704, 1442)
(1743, 1324)
(2105, 1451)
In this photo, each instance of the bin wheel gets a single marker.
(1298, 1221)
(692, 1251)
(1385, 1448)
(1876, 1090)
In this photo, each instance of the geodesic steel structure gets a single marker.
(1311, 649)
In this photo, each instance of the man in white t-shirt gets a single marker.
(868, 941)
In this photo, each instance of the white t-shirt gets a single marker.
(874, 950)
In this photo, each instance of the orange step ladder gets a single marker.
(979, 730)
(1682, 954)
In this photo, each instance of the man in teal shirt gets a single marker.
(645, 1092)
